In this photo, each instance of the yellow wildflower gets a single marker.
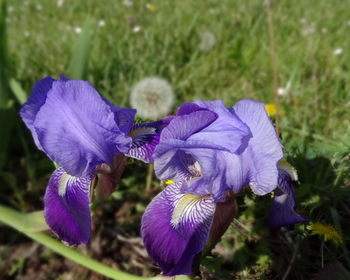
(328, 232)
(270, 109)
(151, 7)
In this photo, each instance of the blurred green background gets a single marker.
(114, 44)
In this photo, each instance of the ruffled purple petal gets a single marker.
(227, 131)
(173, 158)
(175, 228)
(259, 160)
(145, 137)
(182, 127)
(32, 106)
(77, 129)
(66, 207)
(282, 209)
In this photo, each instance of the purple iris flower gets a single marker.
(282, 209)
(208, 151)
(85, 135)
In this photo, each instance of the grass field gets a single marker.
(113, 44)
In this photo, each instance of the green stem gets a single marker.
(20, 222)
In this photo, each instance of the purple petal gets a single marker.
(77, 129)
(32, 106)
(123, 117)
(188, 108)
(173, 158)
(264, 150)
(175, 228)
(145, 137)
(227, 130)
(181, 127)
(282, 209)
(66, 207)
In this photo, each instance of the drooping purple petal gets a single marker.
(145, 137)
(175, 228)
(32, 106)
(77, 129)
(259, 160)
(282, 209)
(66, 207)
(123, 117)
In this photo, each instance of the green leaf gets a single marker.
(18, 91)
(80, 54)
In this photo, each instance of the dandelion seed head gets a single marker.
(101, 23)
(77, 30)
(282, 91)
(10, 9)
(307, 28)
(207, 41)
(338, 51)
(136, 29)
(59, 3)
(26, 34)
(39, 7)
(127, 3)
(152, 97)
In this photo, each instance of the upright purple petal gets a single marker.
(282, 209)
(182, 127)
(227, 130)
(77, 129)
(32, 106)
(145, 137)
(259, 160)
(66, 207)
(175, 227)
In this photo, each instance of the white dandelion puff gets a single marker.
(101, 23)
(77, 30)
(338, 51)
(26, 33)
(60, 3)
(39, 7)
(281, 91)
(207, 41)
(10, 9)
(136, 29)
(307, 28)
(127, 3)
(152, 97)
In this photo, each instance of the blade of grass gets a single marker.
(80, 54)
(18, 91)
